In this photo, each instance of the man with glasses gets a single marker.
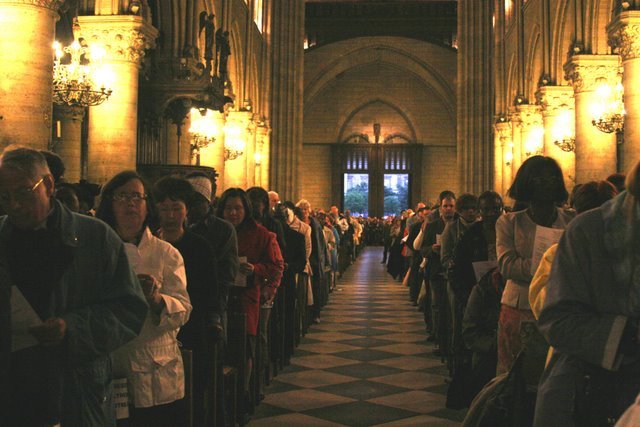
(73, 273)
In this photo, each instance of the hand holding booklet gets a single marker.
(545, 238)
(241, 279)
(23, 316)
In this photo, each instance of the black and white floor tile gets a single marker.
(366, 364)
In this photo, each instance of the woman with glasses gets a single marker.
(538, 182)
(152, 362)
(261, 264)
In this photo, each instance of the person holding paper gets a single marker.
(540, 182)
(73, 272)
(152, 363)
(263, 266)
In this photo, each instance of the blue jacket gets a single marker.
(100, 299)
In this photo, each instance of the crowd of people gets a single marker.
(499, 285)
(184, 298)
(163, 287)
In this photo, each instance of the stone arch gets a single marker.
(601, 12)
(563, 28)
(534, 48)
(236, 59)
(345, 119)
(368, 50)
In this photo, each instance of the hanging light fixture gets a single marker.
(234, 143)
(564, 133)
(79, 78)
(203, 129)
(608, 113)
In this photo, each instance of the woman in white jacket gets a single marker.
(152, 362)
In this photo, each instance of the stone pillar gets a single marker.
(113, 124)
(287, 35)
(558, 116)
(213, 155)
(516, 141)
(238, 128)
(26, 55)
(595, 151)
(503, 155)
(474, 100)
(69, 145)
(262, 147)
(531, 130)
(624, 33)
(250, 154)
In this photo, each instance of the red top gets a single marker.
(261, 248)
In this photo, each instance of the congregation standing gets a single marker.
(159, 286)
(533, 311)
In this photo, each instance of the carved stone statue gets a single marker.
(224, 50)
(207, 24)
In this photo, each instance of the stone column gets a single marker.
(250, 153)
(474, 100)
(595, 150)
(516, 141)
(238, 128)
(503, 155)
(26, 55)
(624, 33)
(69, 145)
(558, 116)
(113, 124)
(287, 33)
(213, 155)
(262, 147)
(531, 130)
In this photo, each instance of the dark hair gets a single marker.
(466, 201)
(68, 196)
(489, 195)
(55, 163)
(617, 179)
(446, 194)
(174, 188)
(522, 188)
(259, 194)
(231, 193)
(105, 208)
(592, 194)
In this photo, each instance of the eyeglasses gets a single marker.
(20, 195)
(129, 197)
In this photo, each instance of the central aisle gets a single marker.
(367, 363)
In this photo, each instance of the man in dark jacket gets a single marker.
(434, 272)
(73, 274)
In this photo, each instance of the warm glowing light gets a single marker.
(203, 129)
(608, 111)
(508, 158)
(257, 158)
(534, 143)
(81, 80)
(234, 144)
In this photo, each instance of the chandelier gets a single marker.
(234, 143)
(566, 144)
(82, 81)
(203, 129)
(608, 113)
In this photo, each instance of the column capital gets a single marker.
(555, 99)
(47, 4)
(585, 72)
(503, 131)
(624, 34)
(124, 37)
(529, 115)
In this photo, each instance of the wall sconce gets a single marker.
(608, 113)
(508, 158)
(532, 145)
(564, 132)
(234, 143)
(83, 81)
(567, 144)
(257, 158)
(134, 7)
(203, 130)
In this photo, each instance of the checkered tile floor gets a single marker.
(366, 364)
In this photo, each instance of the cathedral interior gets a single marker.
(314, 98)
